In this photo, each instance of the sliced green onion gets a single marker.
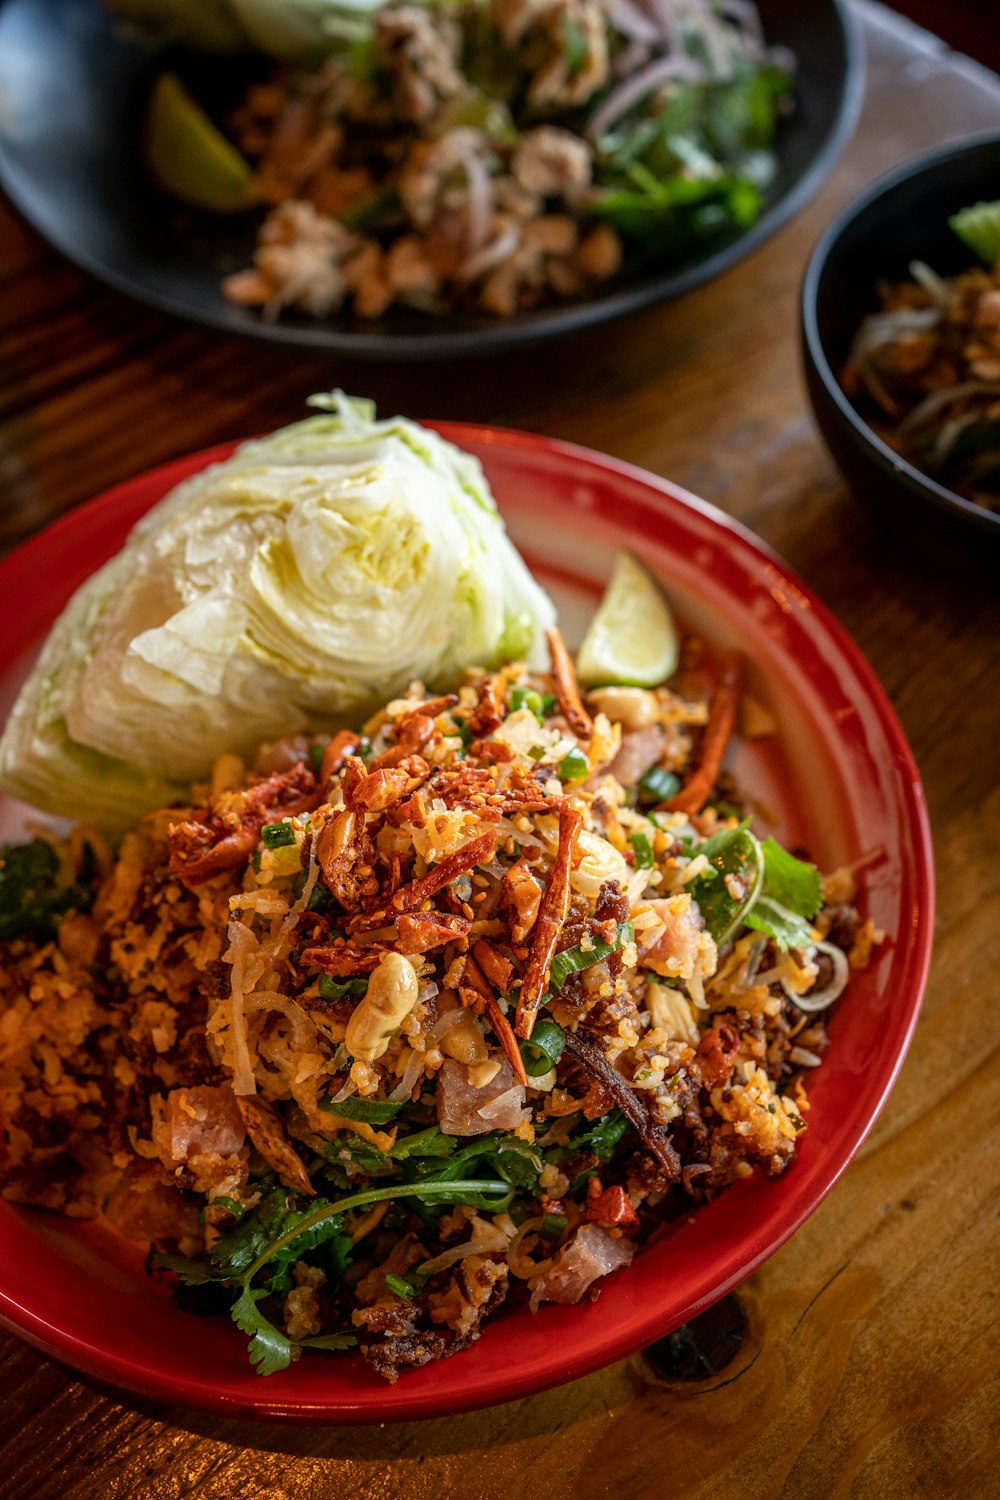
(316, 753)
(336, 989)
(537, 752)
(230, 1205)
(544, 1050)
(573, 960)
(370, 1111)
(526, 698)
(644, 859)
(277, 835)
(574, 766)
(400, 1287)
(659, 785)
(552, 1228)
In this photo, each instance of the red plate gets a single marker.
(841, 780)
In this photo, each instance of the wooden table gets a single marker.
(870, 1366)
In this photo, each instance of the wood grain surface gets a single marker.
(870, 1368)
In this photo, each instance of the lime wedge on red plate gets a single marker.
(189, 157)
(631, 640)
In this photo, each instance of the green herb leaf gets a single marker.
(732, 852)
(329, 1341)
(787, 930)
(790, 881)
(270, 1349)
(658, 785)
(430, 1142)
(191, 1272)
(400, 1287)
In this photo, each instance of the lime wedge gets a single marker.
(189, 157)
(979, 228)
(631, 639)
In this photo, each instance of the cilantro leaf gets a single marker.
(329, 1341)
(792, 895)
(191, 1272)
(430, 1142)
(270, 1350)
(790, 881)
(732, 852)
(784, 927)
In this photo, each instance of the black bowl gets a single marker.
(901, 218)
(73, 90)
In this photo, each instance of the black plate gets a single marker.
(72, 90)
(902, 217)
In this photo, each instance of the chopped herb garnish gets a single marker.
(658, 785)
(369, 1111)
(574, 766)
(545, 1048)
(552, 1227)
(400, 1287)
(277, 835)
(336, 989)
(644, 858)
(573, 960)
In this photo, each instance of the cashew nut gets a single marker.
(391, 995)
(631, 707)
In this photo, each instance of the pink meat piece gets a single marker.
(675, 953)
(464, 1110)
(640, 751)
(282, 755)
(203, 1121)
(590, 1254)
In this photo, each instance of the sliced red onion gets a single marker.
(350, 1087)
(632, 57)
(622, 98)
(443, 1025)
(818, 1000)
(939, 400)
(413, 1070)
(632, 21)
(746, 17)
(479, 204)
(486, 260)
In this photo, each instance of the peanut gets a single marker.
(391, 995)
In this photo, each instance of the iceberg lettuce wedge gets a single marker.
(295, 586)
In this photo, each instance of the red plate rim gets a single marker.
(574, 1344)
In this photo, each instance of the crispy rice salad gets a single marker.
(443, 1014)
